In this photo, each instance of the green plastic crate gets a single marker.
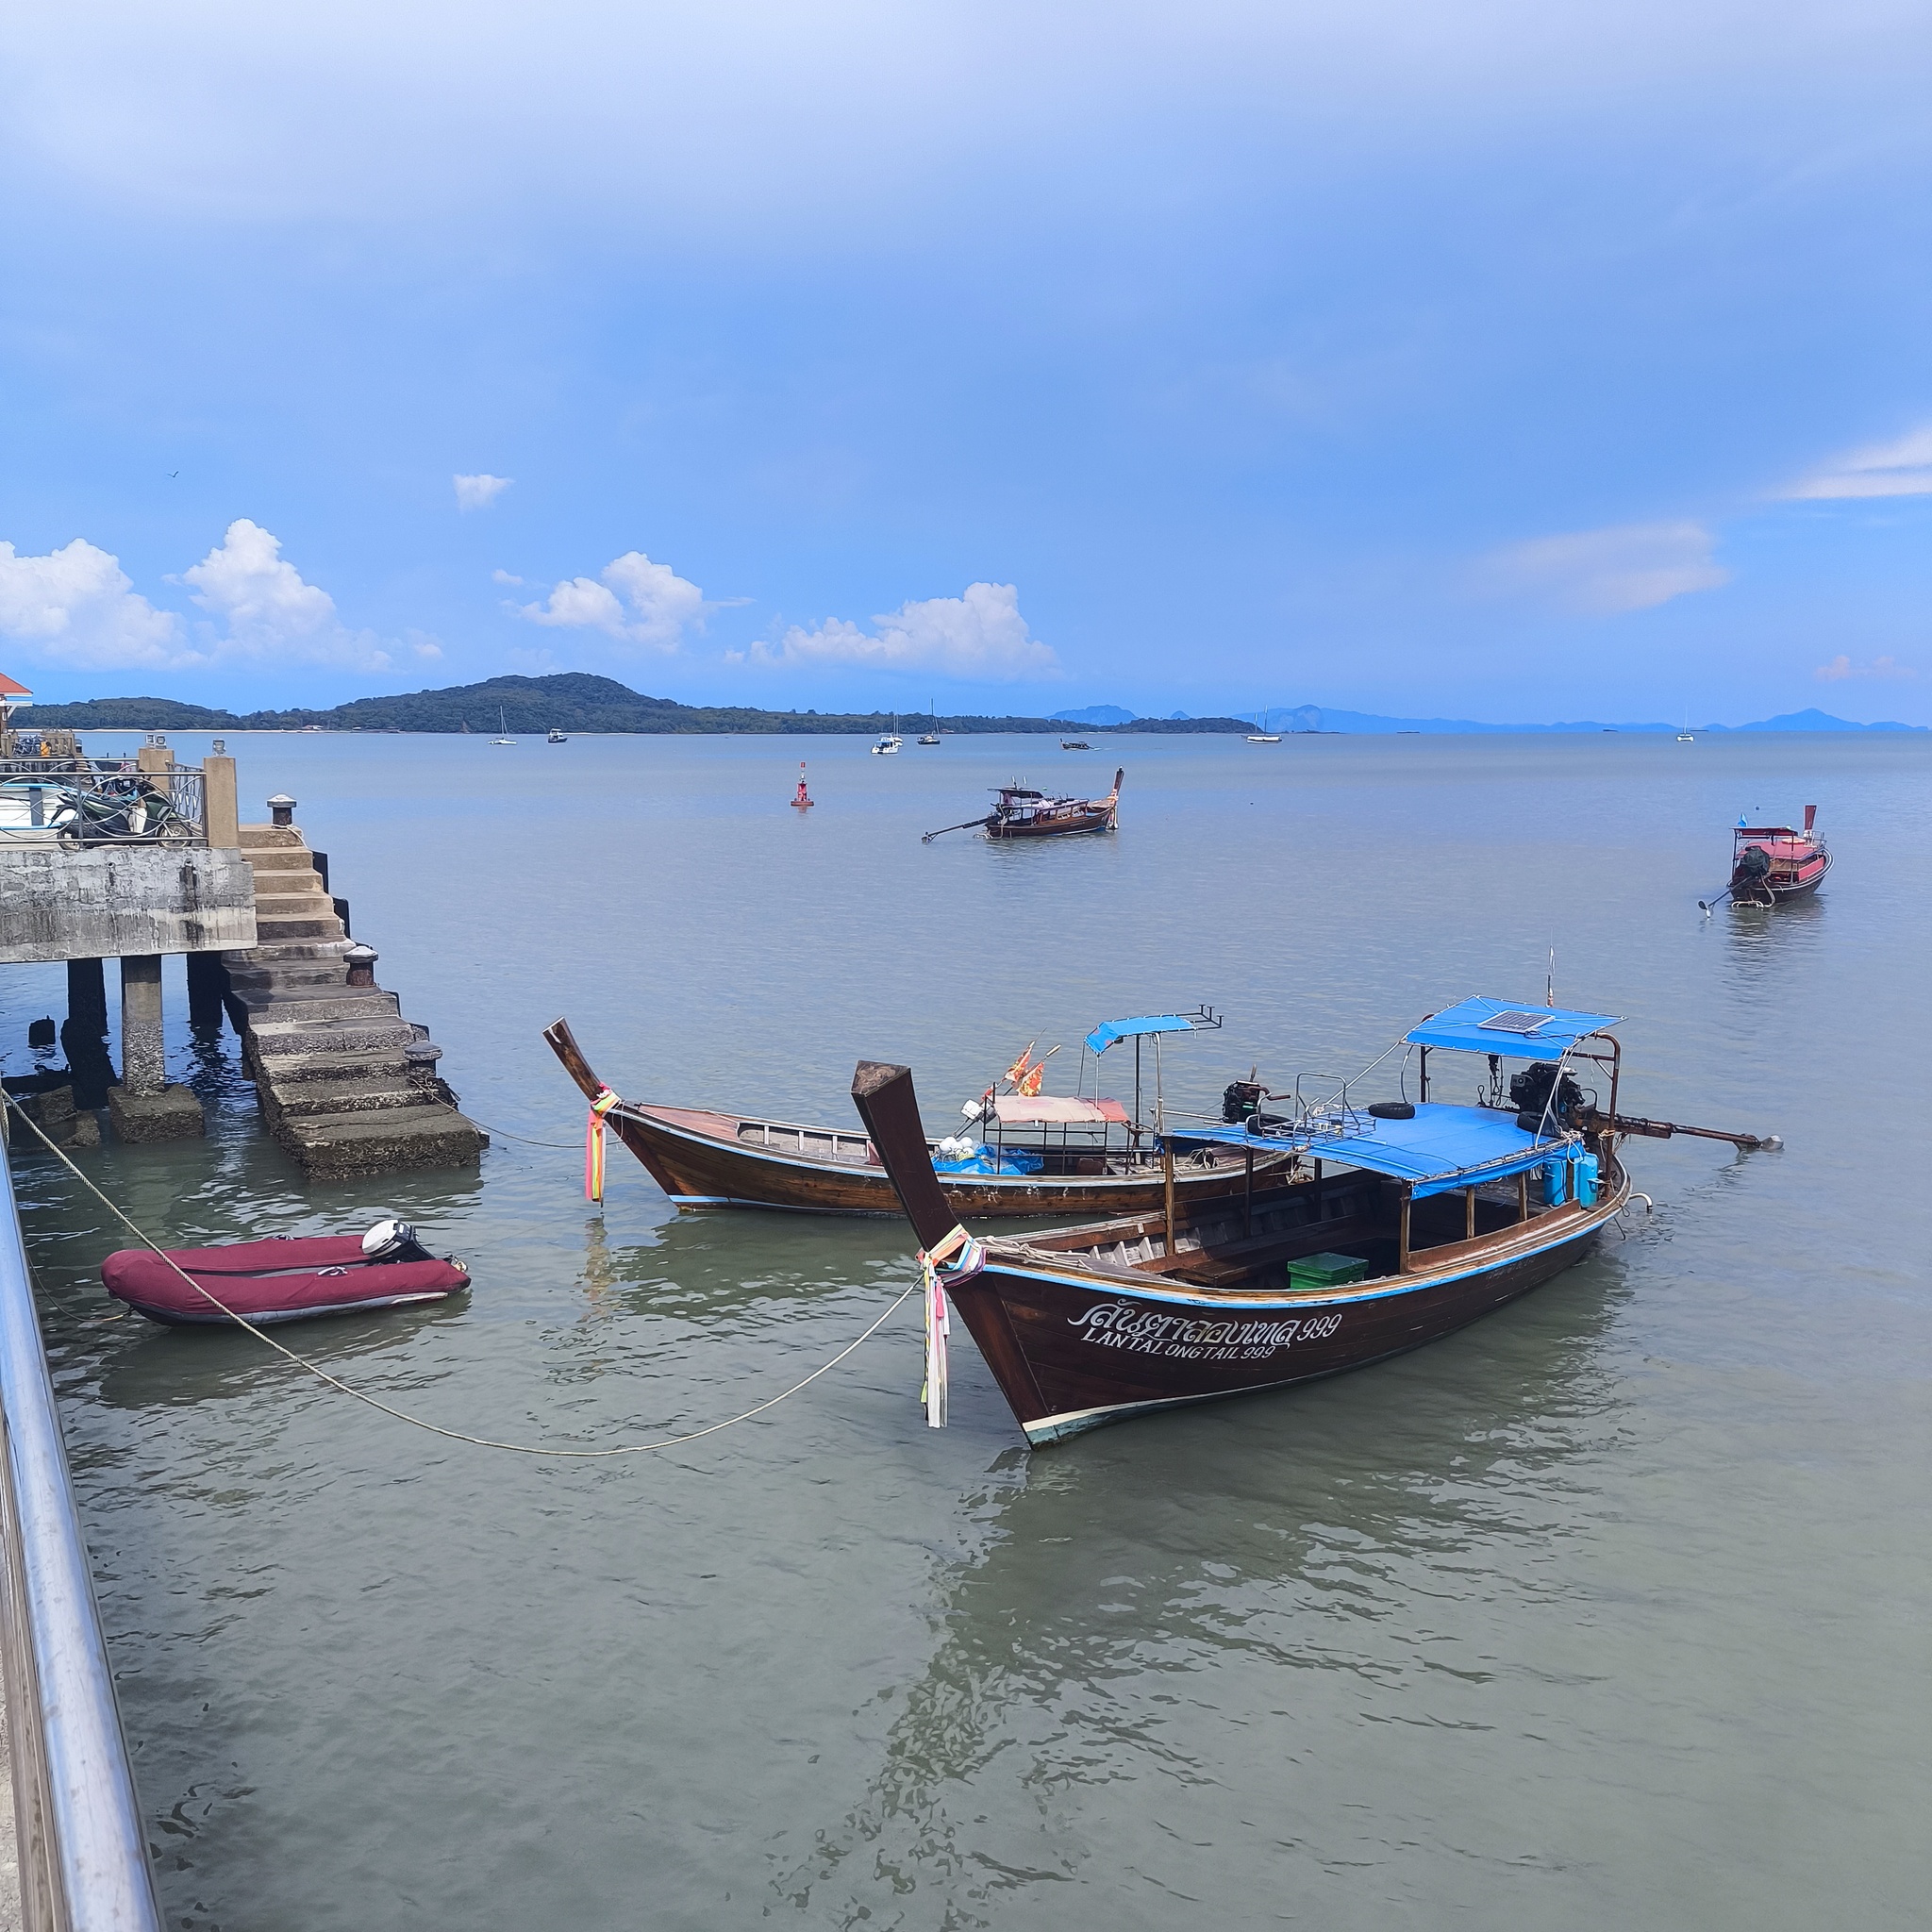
(1326, 1271)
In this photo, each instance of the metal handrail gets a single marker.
(83, 1856)
(101, 806)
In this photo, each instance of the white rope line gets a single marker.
(416, 1421)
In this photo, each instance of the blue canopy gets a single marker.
(1441, 1149)
(1502, 1026)
(1109, 1031)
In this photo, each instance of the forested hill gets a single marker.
(568, 701)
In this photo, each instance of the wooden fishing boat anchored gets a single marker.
(1390, 1225)
(1021, 812)
(1045, 1154)
(1772, 863)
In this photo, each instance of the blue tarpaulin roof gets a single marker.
(1109, 1031)
(1441, 1149)
(1503, 1026)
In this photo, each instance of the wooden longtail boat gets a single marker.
(1443, 1212)
(705, 1160)
(1772, 863)
(1021, 812)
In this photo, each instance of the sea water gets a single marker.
(1606, 1612)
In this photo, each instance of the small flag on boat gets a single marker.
(593, 1145)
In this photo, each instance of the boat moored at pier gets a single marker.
(1024, 1153)
(1390, 1225)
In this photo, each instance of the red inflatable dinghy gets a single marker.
(284, 1279)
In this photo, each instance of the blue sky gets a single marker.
(1508, 361)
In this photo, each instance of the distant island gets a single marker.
(579, 701)
(566, 701)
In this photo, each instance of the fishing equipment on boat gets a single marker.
(593, 1144)
(282, 1280)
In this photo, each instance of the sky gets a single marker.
(1516, 361)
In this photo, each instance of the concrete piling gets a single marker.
(144, 1106)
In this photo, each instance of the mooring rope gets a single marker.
(416, 1421)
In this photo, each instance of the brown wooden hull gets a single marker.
(1074, 1348)
(697, 1160)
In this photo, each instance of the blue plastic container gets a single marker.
(1556, 1183)
(1585, 1170)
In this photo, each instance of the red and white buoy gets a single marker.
(804, 801)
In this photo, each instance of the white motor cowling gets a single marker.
(392, 1239)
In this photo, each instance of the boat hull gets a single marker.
(699, 1162)
(1065, 827)
(1072, 1351)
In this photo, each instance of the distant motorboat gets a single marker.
(557, 736)
(1075, 745)
(889, 741)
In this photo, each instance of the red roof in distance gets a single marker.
(8, 689)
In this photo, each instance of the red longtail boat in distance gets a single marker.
(1771, 863)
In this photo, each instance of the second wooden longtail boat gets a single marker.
(1021, 812)
(1392, 1225)
(1061, 1156)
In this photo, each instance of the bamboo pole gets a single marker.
(1469, 1214)
(1402, 1233)
(1167, 1181)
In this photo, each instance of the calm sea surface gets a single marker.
(1608, 1612)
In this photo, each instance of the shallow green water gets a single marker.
(1608, 1611)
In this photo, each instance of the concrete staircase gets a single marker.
(346, 1084)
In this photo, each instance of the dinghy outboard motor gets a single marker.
(392, 1239)
(1530, 1092)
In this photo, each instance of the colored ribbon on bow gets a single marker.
(593, 1145)
(971, 1258)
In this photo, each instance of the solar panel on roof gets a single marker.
(1515, 1023)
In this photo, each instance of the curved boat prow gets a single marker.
(563, 1042)
(1113, 797)
(890, 1108)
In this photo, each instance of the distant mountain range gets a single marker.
(579, 701)
(567, 701)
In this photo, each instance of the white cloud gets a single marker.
(78, 607)
(637, 602)
(503, 577)
(479, 493)
(269, 609)
(979, 635)
(1903, 468)
(1601, 573)
(1841, 668)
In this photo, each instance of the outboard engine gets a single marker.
(1530, 1093)
(1238, 1101)
(393, 1240)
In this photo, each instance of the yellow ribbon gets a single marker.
(593, 1145)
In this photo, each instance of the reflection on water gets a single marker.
(1597, 1615)
(1284, 1555)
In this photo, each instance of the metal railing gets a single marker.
(83, 802)
(83, 1857)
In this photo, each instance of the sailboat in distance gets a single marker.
(502, 726)
(932, 737)
(1260, 734)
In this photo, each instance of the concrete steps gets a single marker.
(338, 1147)
(344, 1083)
